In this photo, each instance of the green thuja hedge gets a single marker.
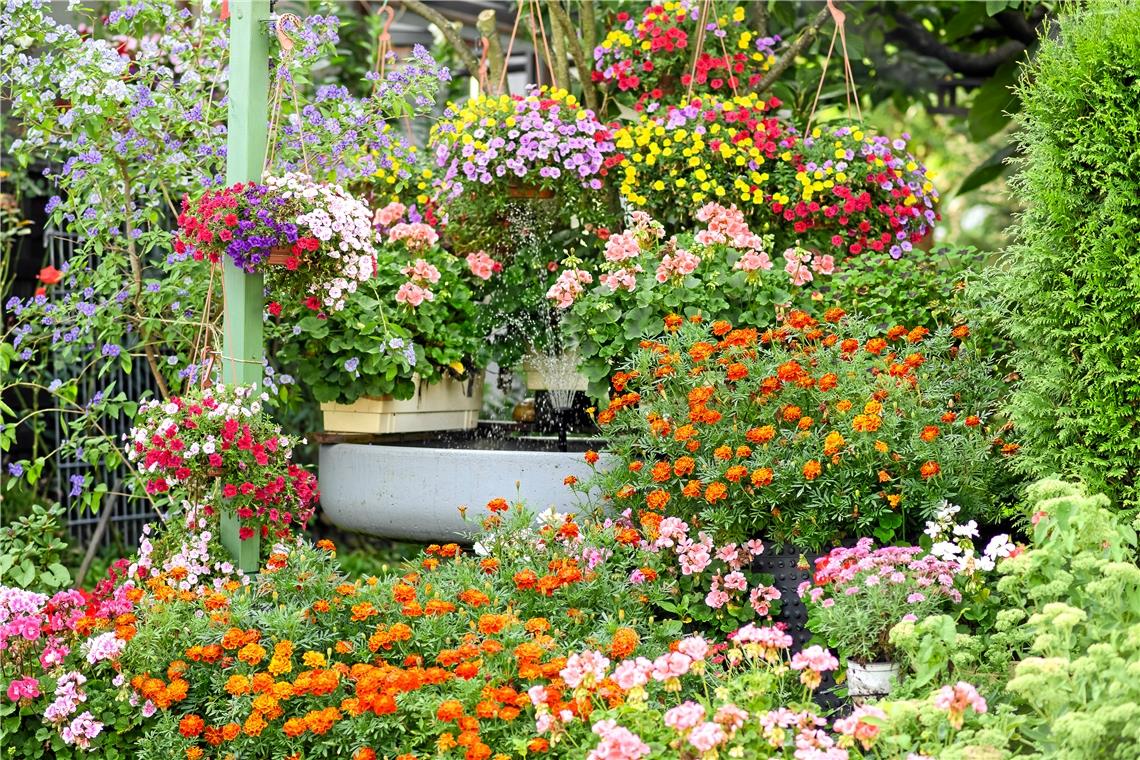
(1072, 285)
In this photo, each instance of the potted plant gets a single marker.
(313, 241)
(520, 179)
(646, 60)
(402, 355)
(859, 594)
(845, 191)
(719, 270)
(217, 450)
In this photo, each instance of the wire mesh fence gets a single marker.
(126, 516)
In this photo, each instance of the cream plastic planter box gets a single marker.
(448, 404)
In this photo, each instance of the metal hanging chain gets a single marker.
(702, 21)
(849, 89)
(383, 45)
(282, 73)
(510, 46)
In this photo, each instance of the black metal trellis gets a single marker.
(127, 516)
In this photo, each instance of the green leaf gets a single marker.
(993, 103)
(989, 170)
(61, 574)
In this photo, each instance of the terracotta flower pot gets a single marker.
(529, 191)
(279, 255)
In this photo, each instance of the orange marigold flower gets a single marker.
(762, 434)
(591, 457)
(251, 654)
(791, 413)
(367, 753)
(692, 489)
(961, 332)
(673, 322)
(882, 447)
(805, 423)
(973, 420)
(736, 473)
(884, 476)
(194, 753)
(875, 346)
(661, 472)
(403, 593)
(498, 504)
(761, 476)
(656, 500)
(1010, 448)
(833, 443)
(294, 727)
(736, 371)
(636, 465)
(698, 396)
(685, 432)
(230, 731)
(449, 710)
(538, 744)
(525, 579)
(843, 406)
(473, 597)
(929, 433)
(684, 466)
(743, 452)
(715, 492)
(827, 382)
(800, 319)
(949, 417)
(866, 423)
(834, 315)
(929, 470)
(325, 545)
(721, 327)
(254, 724)
(701, 351)
(570, 480)
(896, 332)
(723, 453)
(624, 643)
(917, 334)
(489, 565)
(812, 469)
(467, 670)
(191, 726)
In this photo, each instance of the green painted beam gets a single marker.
(243, 345)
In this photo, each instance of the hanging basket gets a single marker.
(279, 255)
(529, 192)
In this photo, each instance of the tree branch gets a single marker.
(589, 92)
(789, 56)
(1017, 27)
(488, 27)
(448, 30)
(918, 39)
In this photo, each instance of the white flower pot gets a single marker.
(546, 372)
(449, 404)
(874, 679)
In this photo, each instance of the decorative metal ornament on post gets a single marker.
(243, 344)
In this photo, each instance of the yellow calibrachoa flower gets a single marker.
(706, 148)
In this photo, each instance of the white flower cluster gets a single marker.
(953, 542)
(343, 224)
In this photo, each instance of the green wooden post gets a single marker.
(243, 343)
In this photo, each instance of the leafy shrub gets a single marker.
(808, 433)
(1072, 280)
(31, 551)
(1064, 634)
